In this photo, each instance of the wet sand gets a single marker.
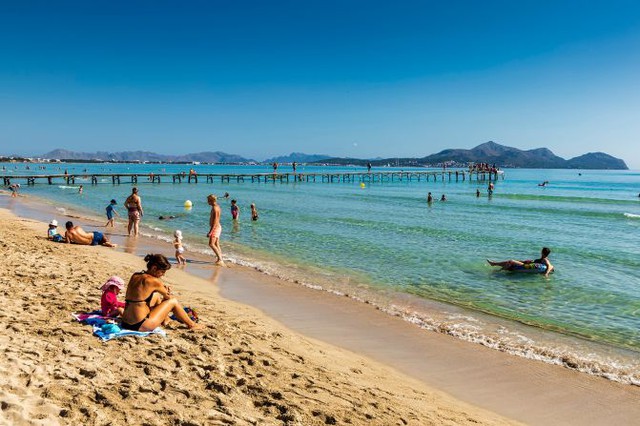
(519, 389)
(529, 391)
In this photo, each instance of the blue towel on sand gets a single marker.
(107, 330)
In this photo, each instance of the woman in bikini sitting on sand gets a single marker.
(149, 302)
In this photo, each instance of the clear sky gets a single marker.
(345, 78)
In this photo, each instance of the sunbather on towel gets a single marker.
(149, 302)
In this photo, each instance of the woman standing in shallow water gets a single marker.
(134, 208)
(148, 302)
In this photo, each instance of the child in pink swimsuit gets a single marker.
(235, 210)
(109, 303)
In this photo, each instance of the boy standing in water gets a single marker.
(111, 211)
(254, 212)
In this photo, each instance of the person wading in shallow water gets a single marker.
(134, 208)
(215, 229)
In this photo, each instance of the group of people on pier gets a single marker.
(483, 167)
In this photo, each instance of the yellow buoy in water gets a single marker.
(362, 185)
(187, 204)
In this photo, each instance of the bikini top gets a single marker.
(147, 300)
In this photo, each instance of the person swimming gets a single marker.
(541, 265)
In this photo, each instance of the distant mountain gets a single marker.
(597, 160)
(298, 157)
(500, 155)
(202, 157)
(489, 152)
(503, 156)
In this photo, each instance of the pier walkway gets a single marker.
(135, 178)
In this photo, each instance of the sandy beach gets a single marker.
(244, 369)
(274, 352)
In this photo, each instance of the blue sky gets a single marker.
(345, 78)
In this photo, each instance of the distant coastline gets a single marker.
(489, 152)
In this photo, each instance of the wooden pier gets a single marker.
(370, 177)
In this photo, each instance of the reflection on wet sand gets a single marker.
(130, 245)
(215, 274)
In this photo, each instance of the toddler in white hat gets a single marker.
(177, 243)
(52, 232)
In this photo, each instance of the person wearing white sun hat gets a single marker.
(52, 232)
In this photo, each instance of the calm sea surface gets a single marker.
(384, 244)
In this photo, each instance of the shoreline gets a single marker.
(516, 338)
(245, 368)
(450, 359)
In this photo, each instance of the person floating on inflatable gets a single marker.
(540, 266)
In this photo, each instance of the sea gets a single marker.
(381, 243)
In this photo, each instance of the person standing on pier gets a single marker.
(215, 228)
(294, 165)
(133, 205)
(369, 167)
(275, 167)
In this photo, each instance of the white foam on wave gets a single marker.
(632, 216)
(514, 343)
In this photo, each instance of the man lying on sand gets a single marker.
(77, 235)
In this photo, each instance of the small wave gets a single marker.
(632, 216)
(515, 343)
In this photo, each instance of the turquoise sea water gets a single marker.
(384, 244)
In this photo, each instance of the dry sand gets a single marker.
(244, 369)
